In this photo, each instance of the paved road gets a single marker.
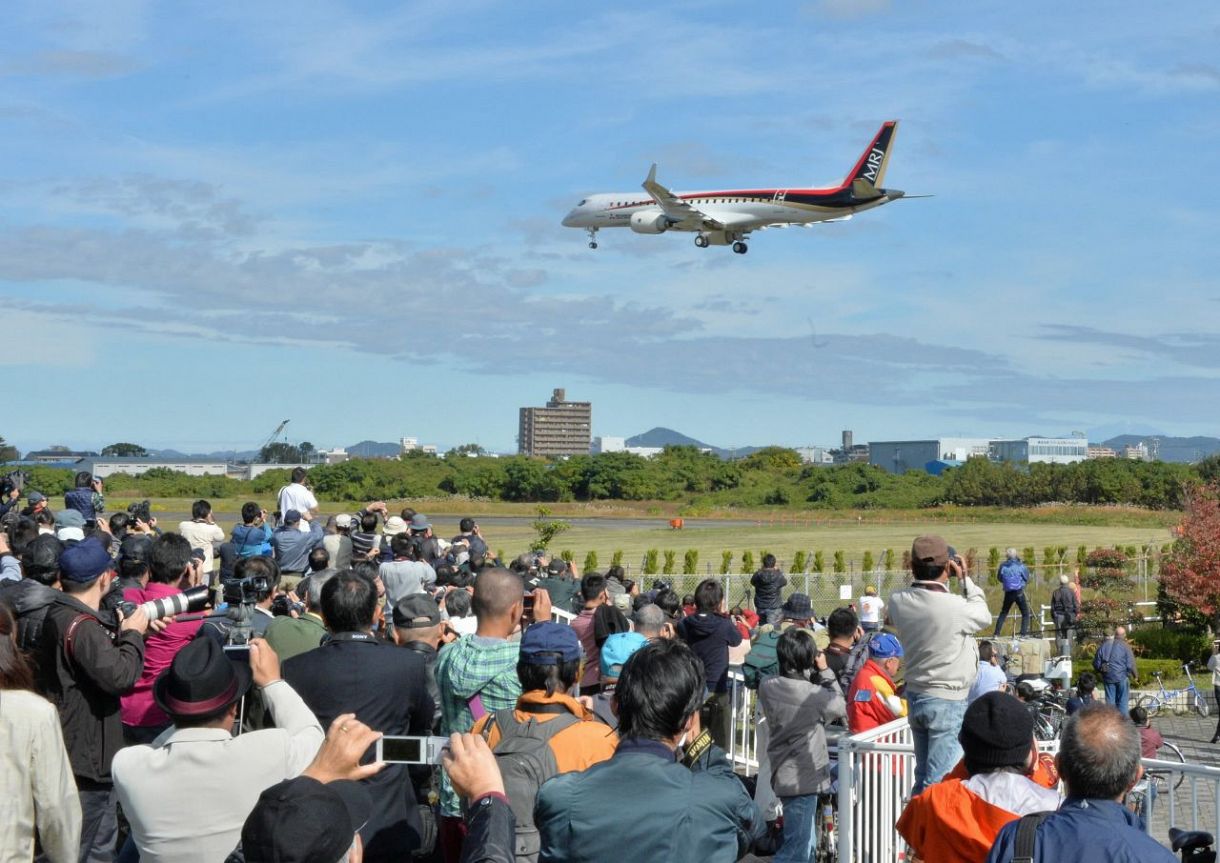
(1192, 734)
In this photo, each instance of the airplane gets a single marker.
(721, 218)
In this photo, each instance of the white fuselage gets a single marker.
(739, 210)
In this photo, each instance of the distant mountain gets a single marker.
(665, 437)
(1177, 449)
(373, 449)
(219, 455)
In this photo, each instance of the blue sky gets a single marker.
(217, 215)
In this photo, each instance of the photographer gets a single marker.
(937, 629)
(406, 573)
(203, 533)
(86, 659)
(32, 596)
(86, 498)
(249, 595)
(679, 805)
(710, 633)
(253, 536)
(170, 568)
(292, 545)
(297, 496)
(561, 584)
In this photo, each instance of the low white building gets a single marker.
(104, 466)
(1041, 450)
(608, 444)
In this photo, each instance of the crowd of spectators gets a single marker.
(571, 707)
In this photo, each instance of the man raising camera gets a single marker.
(86, 660)
(249, 595)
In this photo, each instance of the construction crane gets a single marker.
(275, 434)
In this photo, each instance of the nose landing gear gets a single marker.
(592, 238)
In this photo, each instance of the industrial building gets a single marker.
(104, 466)
(619, 444)
(1041, 450)
(561, 428)
(900, 456)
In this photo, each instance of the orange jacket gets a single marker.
(950, 823)
(1046, 773)
(577, 747)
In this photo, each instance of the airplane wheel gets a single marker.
(740, 248)
(592, 244)
(701, 241)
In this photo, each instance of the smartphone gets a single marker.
(410, 750)
(527, 608)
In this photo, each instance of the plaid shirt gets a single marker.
(472, 666)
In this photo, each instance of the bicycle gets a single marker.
(1166, 698)
(1195, 846)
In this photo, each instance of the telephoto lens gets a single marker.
(193, 599)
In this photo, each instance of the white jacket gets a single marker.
(936, 628)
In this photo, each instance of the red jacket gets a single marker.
(872, 700)
(160, 648)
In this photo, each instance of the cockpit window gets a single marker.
(583, 201)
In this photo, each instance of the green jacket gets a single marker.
(292, 636)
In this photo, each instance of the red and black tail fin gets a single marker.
(869, 171)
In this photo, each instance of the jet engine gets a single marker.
(650, 223)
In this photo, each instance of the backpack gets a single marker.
(526, 760)
(762, 661)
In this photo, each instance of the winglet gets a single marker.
(652, 175)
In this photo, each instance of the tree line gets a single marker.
(773, 476)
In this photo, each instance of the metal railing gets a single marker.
(876, 772)
(1198, 793)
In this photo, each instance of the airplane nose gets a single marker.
(569, 221)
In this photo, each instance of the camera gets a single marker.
(141, 511)
(393, 749)
(192, 600)
(249, 590)
(282, 606)
(13, 481)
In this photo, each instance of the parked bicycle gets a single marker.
(1169, 699)
(1195, 846)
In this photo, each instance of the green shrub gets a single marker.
(568, 555)
(1049, 556)
(650, 561)
(590, 562)
(1180, 645)
(670, 557)
(868, 564)
(1082, 554)
(1169, 668)
(726, 562)
(747, 563)
(840, 564)
(690, 561)
(819, 562)
(799, 560)
(1028, 556)
(616, 559)
(1098, 615)
(889, 559)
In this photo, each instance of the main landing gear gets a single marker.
(740, 248)
(592, 238)
(701, 241)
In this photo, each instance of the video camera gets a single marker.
(189, 601)
(250, 590)
(141, 511)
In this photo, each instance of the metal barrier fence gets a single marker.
(1198, 794)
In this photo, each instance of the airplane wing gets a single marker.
(684, 215)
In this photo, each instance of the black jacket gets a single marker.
(490, 832)
(429, 653)
(1064, 605)
(711, 636)
(104, 664)
(386, 687)
(767, 584)
(31, 600)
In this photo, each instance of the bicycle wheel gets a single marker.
(1170, 752)
(1150, 703)
(1201, 705)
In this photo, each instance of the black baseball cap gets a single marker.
(417, 611)
(305, 821)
